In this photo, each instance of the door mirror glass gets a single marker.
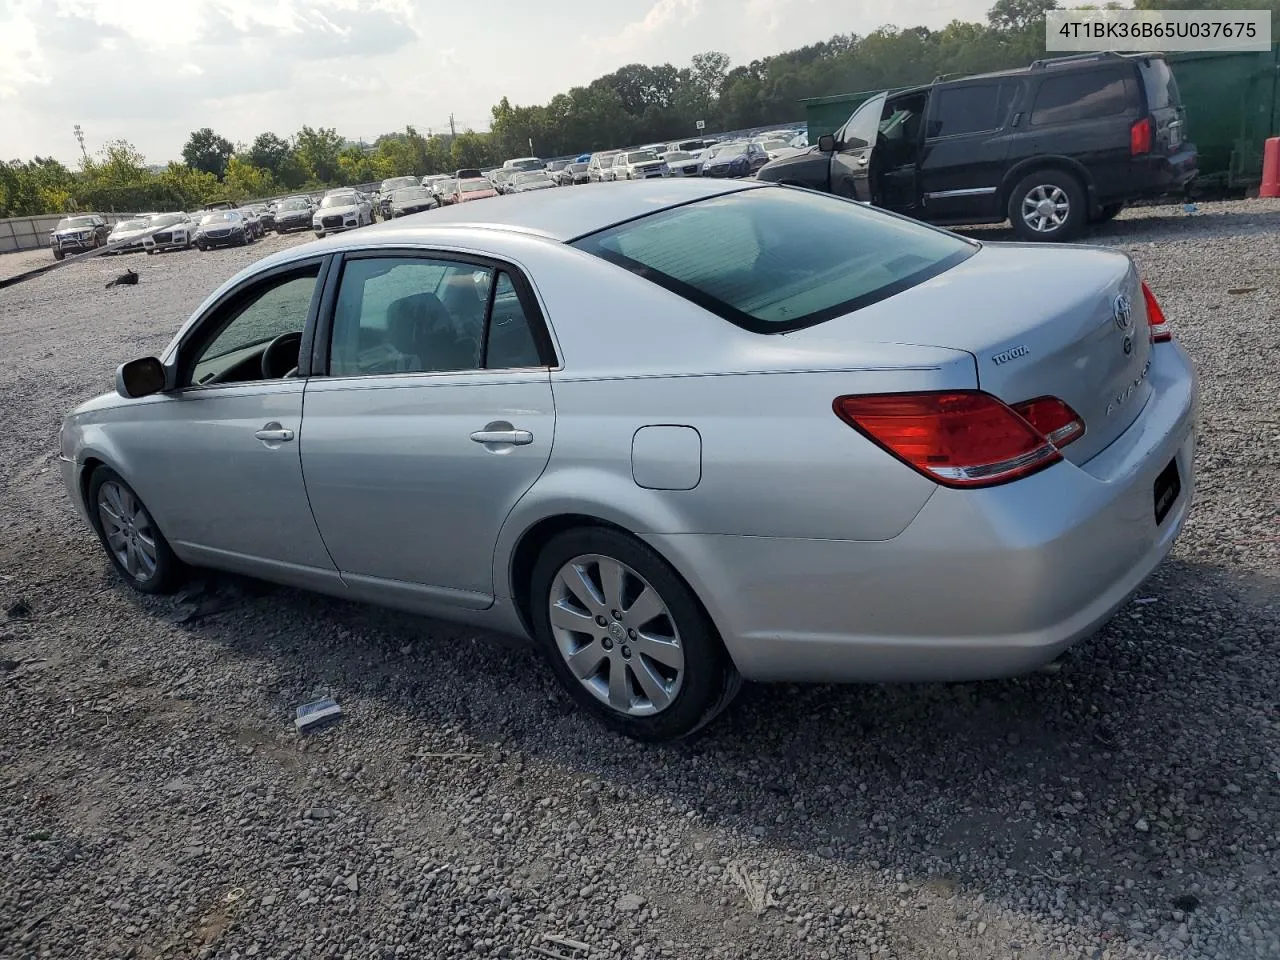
(140, 378)
(827, 143)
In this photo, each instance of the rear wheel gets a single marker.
(626, 637)
(134, 544)
(1048, 205)
(58, 254)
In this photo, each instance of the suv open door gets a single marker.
(851, 148)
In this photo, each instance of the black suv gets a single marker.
(1049, 147)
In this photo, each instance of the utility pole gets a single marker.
(453, 131)
(80, 137)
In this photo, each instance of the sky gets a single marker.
(152, 71)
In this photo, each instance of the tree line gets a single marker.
(634, 104)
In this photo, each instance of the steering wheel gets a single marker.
(280, 359)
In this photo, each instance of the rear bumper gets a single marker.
(1155, 176)
(982, 584)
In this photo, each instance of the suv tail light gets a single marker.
(1053, 419)
(962, 438)
(1161, 332)
(1140, 137)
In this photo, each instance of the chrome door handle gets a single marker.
(516, 437)
(274, 433)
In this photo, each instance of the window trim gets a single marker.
(1128, 79)
(744, 320)
(197, 335)
(538, 329)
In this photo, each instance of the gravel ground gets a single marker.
(156, 801)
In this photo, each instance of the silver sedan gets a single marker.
(676, 433)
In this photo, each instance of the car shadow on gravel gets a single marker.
(1135, 779)
(1207, 222)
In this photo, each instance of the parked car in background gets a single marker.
(222, 228)
(409, 200)
(468, 173)
(530, 180)
(554, 167)
(523, 164)
(1011, 486)
(737, 159)
(690, 146)
(76, 234)
(682, 163)
(293, 213)
(800, 141)
(266, 216)
(572, 173)
(472, 189)
(443, 189)
(431, 181)
(219, 205)
(388, 187)
(179, 232)
(126, 237)
(600, 167)
(252, 222)
(639, 165)
(500, 180)
(1050, 147)
(776, 148)
(341, 210)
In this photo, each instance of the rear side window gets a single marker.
(1162, 89)
(1080, 95)
(969, 109)
(775, 259)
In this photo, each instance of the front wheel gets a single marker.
(134, 544)
(1048, 206)
(626, 637)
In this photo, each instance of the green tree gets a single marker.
(316, 151)
(471, 149)
(194, 187)
(207, 151)
(243, 181)
(269, 152)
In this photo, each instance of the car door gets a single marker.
(434, 419)
(225, 440)
(966, 149)
(854, 143)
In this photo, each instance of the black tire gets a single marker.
(202, 247)
(1050, 185)
(58, 254)
(708, 679)
(168, 572)
(1108, 212)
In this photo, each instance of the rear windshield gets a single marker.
(1162, 89)
(775, 259)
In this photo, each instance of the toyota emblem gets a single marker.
(1123, 312)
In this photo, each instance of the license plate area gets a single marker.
(1166, 490)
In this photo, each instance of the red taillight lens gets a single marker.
(1140, 137)
(1161, 332)
(1053, 419)
(958, 439)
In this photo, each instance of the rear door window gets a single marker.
(974, 108)
(1080, 95)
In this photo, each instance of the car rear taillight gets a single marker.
(1140, 137)
(1053, 419)
(962, 438)
(1161, 332)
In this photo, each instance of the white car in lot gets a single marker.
(126, 236)
(179, 232)
(341, 210)
(639, 165)
(681, 163)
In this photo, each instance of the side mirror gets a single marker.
(140, 378)
(827, 143)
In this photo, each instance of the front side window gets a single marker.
(252, 321)
(420, 315)
(1091, 95)
(776, 259)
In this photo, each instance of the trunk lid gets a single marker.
(1038, 320)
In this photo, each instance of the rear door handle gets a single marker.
(516, 437)
(274, 433)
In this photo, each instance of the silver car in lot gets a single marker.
(676, 433)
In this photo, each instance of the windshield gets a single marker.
(475, 186)
(641, 156)
(531, 177)
(577, 168)
(294, 205)
(339, 200)
(410, 193)
(124, 225)
(772, 260)
(70, 223)
(730, 150)
(775, 144)
(166, 219)
(606, 159)
(555, 165)
(525, 163)
(395, 183)
(677, 155)
(220, 216)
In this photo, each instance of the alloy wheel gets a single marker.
(129, 530)
(616, 635)
(1045, 208)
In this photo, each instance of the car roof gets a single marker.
(568, 214)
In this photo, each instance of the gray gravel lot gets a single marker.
(155, 800)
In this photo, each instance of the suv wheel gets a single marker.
(1047, 205)
(626, 637)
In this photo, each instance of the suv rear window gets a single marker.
(775, 259)
(1080, 95)
(1162, 89)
